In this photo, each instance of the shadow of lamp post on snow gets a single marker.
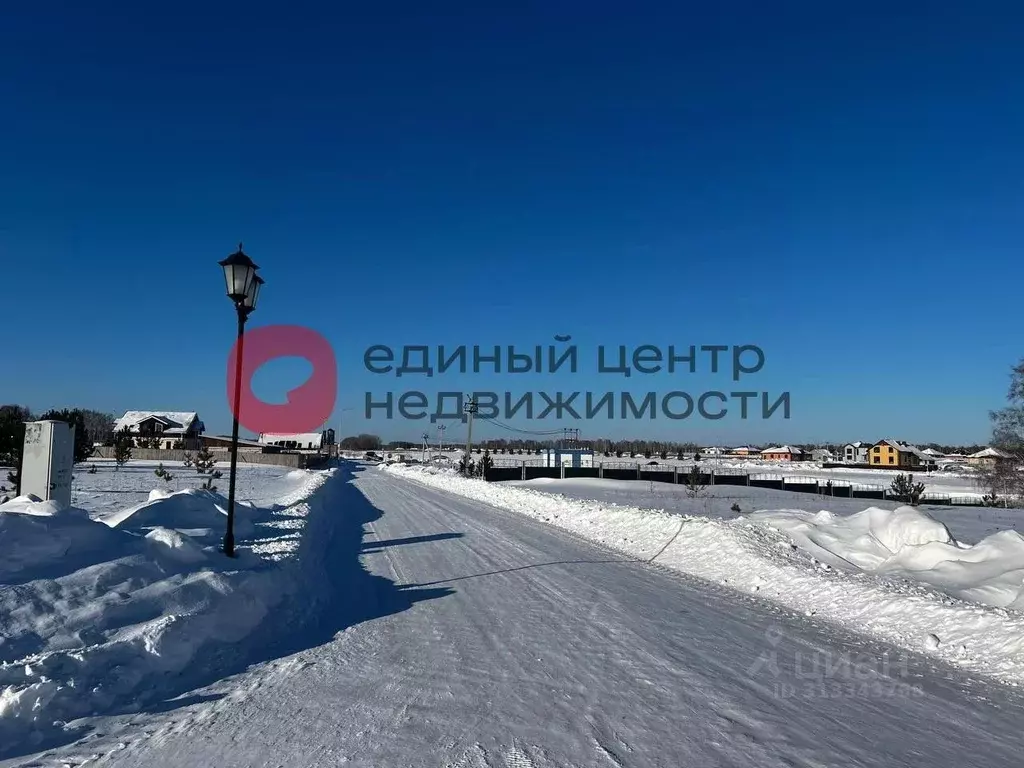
(243, 288)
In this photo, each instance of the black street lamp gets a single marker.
(243, 286)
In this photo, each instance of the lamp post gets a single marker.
(243, 288)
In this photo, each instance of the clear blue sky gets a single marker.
(843, 187)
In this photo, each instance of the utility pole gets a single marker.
(470, 407)
(337, 438)
(440, 439)
(423, 453)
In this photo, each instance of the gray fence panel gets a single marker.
(533, 473)
(801, 487)
(294, 460)
(865, 493)
(620, 474)
(661, 476)
(497, 474)
(730, 479)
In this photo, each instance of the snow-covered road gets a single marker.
(473, 636)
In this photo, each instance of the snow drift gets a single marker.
(102, 613)
(906, 543)
(39, 537)
(896, 575)
(202, 512)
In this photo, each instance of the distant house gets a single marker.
(988, 457)
(310, 441)
(744, 450)
(782, 453)
(568, 457)
(893, 453)
(856, 453)
(164, 429)
(934, 453)
(712, 451)
(821, 455)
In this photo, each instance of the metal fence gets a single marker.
(508, 468)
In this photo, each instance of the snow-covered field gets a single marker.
(111, 488)
(967, 524)
(125, 597)
(895, 573)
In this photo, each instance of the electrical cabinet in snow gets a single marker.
(48, 460)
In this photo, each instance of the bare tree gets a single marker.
(98, 425)
(1005, 476)
(12, 439)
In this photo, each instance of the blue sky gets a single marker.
(841, 186)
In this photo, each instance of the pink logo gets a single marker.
(308, 407)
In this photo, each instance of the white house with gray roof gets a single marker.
(856, 453)
(164, 429)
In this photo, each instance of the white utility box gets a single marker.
(48, 462)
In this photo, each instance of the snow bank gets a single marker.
(96, 614)
(908, 544)
(204, 513)
(38, 536)
(816, 564)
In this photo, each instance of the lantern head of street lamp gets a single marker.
(253, 293)
(239, 275)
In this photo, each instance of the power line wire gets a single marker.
(522, 431)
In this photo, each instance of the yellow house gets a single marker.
(893, 453)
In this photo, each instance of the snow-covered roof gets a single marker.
(933, 452)
(175, 422)
(858, 444)
(302, 438)
(782, 449)
(892, 444)
(989, 453)
(907, 448)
